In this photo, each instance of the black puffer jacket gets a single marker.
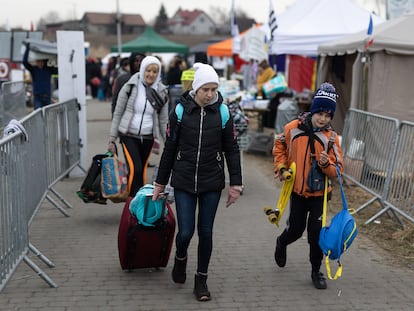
(195, 148)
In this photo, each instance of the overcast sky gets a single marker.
(20, 13)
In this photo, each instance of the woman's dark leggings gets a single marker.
(305, 210)
(137, 152)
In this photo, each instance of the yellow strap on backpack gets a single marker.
(324, 211)
(325, 202)
(328, 269)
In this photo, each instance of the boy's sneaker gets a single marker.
(280, 254)
(318, 280)
(200, 287)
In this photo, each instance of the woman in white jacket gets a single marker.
(140, 116)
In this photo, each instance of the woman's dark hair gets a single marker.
(264, 64)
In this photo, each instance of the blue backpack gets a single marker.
(336, 238)
(224, 113)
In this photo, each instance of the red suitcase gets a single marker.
(145, 247)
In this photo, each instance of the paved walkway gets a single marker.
(243, 274)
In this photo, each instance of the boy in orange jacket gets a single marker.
(306, 205)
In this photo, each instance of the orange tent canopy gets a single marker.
(225, 47)
(222, 48)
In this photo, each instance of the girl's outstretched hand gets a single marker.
(233, 194)
(157, 190)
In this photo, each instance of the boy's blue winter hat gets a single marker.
(324, 99)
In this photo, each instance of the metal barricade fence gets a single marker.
(51, 151)
(400, 194)
(33, 160)
(370, 145)
(21, 193)
(12, 102)
(62, 145)
(13, 217)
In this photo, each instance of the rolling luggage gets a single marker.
(141, 246)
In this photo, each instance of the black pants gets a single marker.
(137, 152)
(305, 212)
(41, 100)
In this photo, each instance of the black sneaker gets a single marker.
(200, 287)
(178, 273)
(318, 280)
(280, 254)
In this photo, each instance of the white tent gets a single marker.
(377, 78)
(309, 23)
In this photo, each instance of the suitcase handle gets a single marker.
(148, 197)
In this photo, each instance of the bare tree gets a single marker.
(49, 18)
(218, 15)
(222, 19)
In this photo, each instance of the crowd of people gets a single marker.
(200, 143)
(177, 74)
(192, 160)
(101, 79)
(255, 74)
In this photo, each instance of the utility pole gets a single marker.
(118, 28)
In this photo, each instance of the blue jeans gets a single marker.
(186, 204)
(40, 100)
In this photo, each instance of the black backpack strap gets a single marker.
(331, 141)
(312, 145)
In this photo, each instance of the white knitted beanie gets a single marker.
(204, 74)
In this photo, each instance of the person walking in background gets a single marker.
(41, 75)
(110, 67)
(134, 62)
(122, 69)
(140, 115)
(306, 204)
(265, 73)
(174, 80)
(174, 71)
(194, 152)
(93, 76)
(187, 76)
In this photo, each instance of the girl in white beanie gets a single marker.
(200, 136)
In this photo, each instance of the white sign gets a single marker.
(71, 64)
(253, 45)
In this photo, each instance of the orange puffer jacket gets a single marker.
(293, 146)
